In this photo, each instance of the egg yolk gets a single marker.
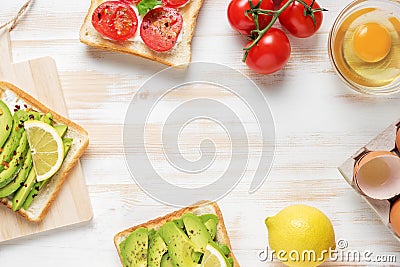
(372, 42)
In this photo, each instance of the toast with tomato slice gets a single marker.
(178, 55)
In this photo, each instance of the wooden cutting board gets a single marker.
(39, 78)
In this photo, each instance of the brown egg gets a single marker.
(366, 158)
(377, 174)
(398, 140)
(395, 217)
(370, 155)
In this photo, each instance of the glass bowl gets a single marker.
(352, 12)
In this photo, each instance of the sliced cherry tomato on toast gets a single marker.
(174, 3)
(115, 20)
(160, 28)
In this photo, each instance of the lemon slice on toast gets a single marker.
(213, 258)
(46, 147)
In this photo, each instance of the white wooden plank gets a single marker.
(319, 123)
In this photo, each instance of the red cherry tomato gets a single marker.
(160, 28)
(115, 20)
(294, 20)
(243, 24)
(174, 3)
(131, 2)
(271, 53)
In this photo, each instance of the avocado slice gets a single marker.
(196, 231)
(136, 249)
(166, 261)
(15, 165)
(13, 141)
(230, 262)
(23, 191)
(224, 249)
(61, 129)
(180, 247)
(205, 217)
(151, 234)
(67, 145)
(179, 223)
(197, 256)
(20, 179)
(211, 226)
(157, 248)
(39, 185)
(47, 118)
(6, 122)
(122, 252)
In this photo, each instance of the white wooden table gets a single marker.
(319, 123)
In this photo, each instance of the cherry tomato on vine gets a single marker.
(245, 24)
(271, 53)
(298, 24)
(115, 20)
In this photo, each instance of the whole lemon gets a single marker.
(301, 236)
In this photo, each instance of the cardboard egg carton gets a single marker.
(384, 141)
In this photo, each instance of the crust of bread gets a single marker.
(67, 165)
(203, 207)
(179, 55)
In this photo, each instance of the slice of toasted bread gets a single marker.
(47, 195)
(203, 207)
(179, 55)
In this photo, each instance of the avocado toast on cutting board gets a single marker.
(188, 237)
(38, 150)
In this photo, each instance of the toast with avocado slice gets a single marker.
(194, 236)
(38, 149)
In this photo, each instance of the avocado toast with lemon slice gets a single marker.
(38, 148)
(191, 237)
